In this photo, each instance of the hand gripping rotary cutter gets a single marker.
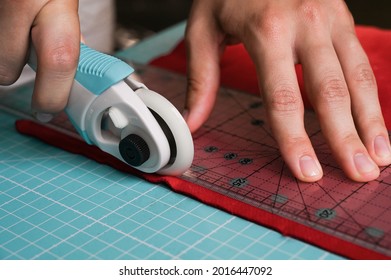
(124, 118)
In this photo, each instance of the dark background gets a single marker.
(155, 15)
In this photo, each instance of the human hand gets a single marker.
(52, 26)
(338, 78)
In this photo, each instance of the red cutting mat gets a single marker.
(238, 168)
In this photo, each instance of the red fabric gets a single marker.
(238, 72)
(233, 206)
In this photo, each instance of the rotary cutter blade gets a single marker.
(175, 129)
(124, 118)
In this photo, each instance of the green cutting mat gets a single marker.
(57, 205)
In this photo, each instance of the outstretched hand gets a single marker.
(337, 75)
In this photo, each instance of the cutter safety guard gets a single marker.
(118, 114)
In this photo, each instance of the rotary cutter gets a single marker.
(124, 118)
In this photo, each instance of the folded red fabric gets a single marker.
(236, 207)
(238, 71)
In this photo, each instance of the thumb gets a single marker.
(203, 57)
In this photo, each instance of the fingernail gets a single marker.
(308, 166)
(363, 163)
(43, 117)
(382, 147)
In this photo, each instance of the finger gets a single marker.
(15, 22)
(364, 96)
(203, 55)
(56, 37)
(275, 66)
(329, 95)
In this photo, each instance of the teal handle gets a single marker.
(97, 71)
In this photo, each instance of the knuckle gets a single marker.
(315, 13)
(62, 58)
(347, 138)
(269, 24)
(292, 142)
(284, 99)
(333, 89)
(194, 85)
(311, 12)
(370, 121)
(295, 141)
(364, 76)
